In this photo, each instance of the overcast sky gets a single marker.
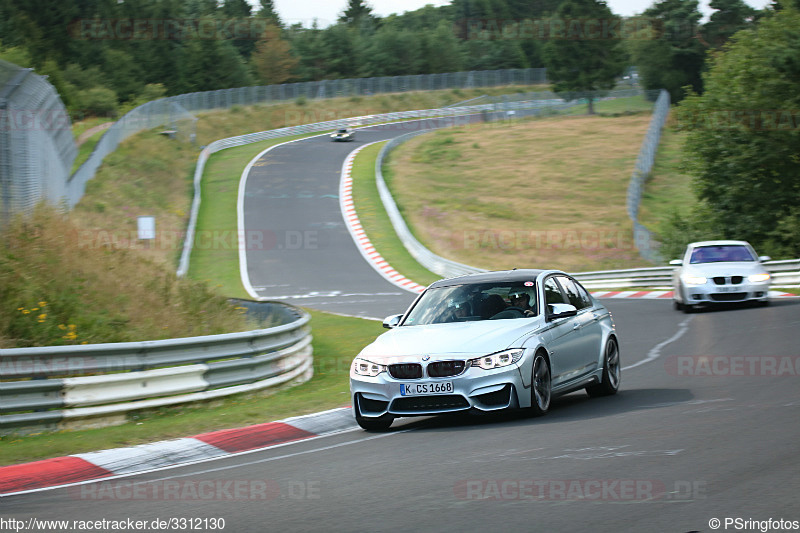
(327, 11)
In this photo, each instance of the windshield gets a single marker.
(464, 303)
(721, 254)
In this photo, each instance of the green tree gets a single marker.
(209, 64)
(668, 53)
(744, 135)
(342, 47)
(310, 50)
(729, 16)
(267, 11)
(356, 11)
(580, 62)
(392, 52)
(441, 50)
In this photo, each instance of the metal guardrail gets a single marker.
(784, 272)
(53, 386)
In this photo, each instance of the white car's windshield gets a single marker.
(721, 254)
(463, 303)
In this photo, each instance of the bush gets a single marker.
(99, 101)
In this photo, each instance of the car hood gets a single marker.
(411, 343)
(744, 268)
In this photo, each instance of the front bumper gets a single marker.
(711, 293)
(474, 389)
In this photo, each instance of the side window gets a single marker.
(574, 295)
(584, 294)
(552, 292)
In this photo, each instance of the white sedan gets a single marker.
(487, 342)
(343, 134)
(718, 272)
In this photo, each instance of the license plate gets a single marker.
(727, 289)
(418, 389)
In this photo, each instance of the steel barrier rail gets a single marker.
(784, 272)
(45, 386)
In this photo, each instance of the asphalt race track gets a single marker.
(685, 441)
(704, 428)
(308, 257)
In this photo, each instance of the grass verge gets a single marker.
(547, 192)
(376, 222)
(58, 289)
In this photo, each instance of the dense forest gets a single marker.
(103, 54)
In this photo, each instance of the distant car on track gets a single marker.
(718, 272)
(487, 342)
(343, 134)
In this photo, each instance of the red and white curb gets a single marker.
(363, 243)
(660, 295)
(85, 467)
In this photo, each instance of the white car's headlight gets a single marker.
(694, 280)
(497, 360)
(758, 278)
(362, 367)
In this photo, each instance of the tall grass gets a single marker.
(60, 284)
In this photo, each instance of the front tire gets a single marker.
(380, 423)
(541, 388)
(612, 372)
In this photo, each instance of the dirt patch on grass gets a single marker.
(540, 193)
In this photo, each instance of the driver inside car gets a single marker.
(520, 305)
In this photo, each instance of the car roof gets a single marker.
(522, 274)
(717, 243)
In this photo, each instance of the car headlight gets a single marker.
(497, 360)
(362, 367)
(758, 278)
(694, 280)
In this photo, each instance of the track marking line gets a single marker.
(655, 351)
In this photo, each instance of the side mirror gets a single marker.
(391, 321)
(763, 258)
(676, 262)
(555, 311)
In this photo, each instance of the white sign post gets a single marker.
(147, 229)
